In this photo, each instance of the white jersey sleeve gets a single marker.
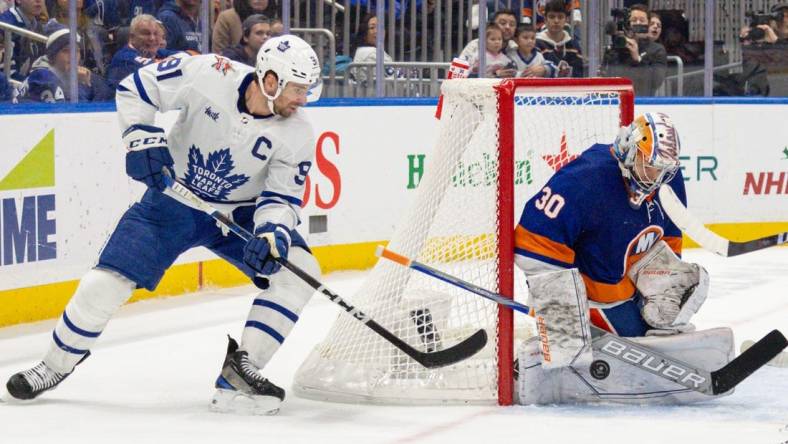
(159, 87)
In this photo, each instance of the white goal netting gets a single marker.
(456, 225)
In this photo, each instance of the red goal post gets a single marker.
(498, 142)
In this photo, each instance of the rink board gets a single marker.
(62, 187)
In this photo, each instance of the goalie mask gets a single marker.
(291, 59)
(648, 155)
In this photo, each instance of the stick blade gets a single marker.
(748, 362)
(452, 355)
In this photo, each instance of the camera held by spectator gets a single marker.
(765, 27)
(620, 29)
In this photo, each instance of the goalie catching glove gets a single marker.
(147, 155)
(672, 290)
(270, 242)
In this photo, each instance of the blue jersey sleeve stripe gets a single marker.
(263, 327)
(77, 330)
(539, 257)
(169, 75)
(122, 88)
(141, 89)
(276, 307)
(289, 199)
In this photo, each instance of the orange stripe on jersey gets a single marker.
(607, 293)
(674, 243)
(599, 319)
(541, 245)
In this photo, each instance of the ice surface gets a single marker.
(152, 371)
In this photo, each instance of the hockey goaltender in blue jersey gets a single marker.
(582, 218)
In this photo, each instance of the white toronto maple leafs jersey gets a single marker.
(223, 153)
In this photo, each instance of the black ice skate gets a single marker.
(241, 389)
(28, 384)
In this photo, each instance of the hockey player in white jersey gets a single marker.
(241, 142)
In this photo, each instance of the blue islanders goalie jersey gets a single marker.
(222, 152)
(581, 218)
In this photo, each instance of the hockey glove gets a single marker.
(147, 155)
(271, 241)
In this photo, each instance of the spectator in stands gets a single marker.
(48, 80)
(106, 16)
(642, 60)
(256, 30)
(5, 5)
(496, 61)
(529, 61)
(654, 27)
(144, 47)
(506, 21)
(181, 20)
(58, 14)
(776, 31)
(277, 27)
(557, 45)
(364, 49)
(228, 29)
(27, 15)
(533, 13)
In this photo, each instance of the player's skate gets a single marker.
(28, 384)
(241, 389)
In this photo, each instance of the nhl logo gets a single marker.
(283, 45)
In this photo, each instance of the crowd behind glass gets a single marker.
(520, 39)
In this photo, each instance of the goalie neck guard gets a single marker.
(648, 155)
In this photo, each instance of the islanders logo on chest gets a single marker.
(641, 243)
(211, 178)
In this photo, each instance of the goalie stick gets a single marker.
(710, 383)
(708, 239)
(442, 358)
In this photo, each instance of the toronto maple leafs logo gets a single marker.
(283, 45)
(212, 179)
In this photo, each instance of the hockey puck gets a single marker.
(599, 369)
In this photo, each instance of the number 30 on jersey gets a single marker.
(549, 203)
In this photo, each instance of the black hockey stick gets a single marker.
(630, 352)
(442, 358)
(708, 239)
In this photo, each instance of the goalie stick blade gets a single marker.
(708, 239)
(748, 362)
(780, 360)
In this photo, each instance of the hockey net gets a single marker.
(499, 142)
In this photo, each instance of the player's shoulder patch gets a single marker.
(222, 64)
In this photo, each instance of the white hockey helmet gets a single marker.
(291, 59)
(648, 154)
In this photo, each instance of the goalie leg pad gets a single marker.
(275, 310)
(562, 317)
(99, 295)
(611, 380)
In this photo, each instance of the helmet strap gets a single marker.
(268, 97)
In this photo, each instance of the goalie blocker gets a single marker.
(565, 363)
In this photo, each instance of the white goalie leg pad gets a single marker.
(99, 295)
(562, 317)
(275, 310)
(611, 380)
(673, 290)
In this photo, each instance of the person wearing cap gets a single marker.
(27, 15)
(143, 48)
(48, 79)
(229, 29)
(181, 20)
(257, 29)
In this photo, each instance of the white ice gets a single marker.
(152, 373)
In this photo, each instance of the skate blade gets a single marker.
(232, 401)
(780, 360)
